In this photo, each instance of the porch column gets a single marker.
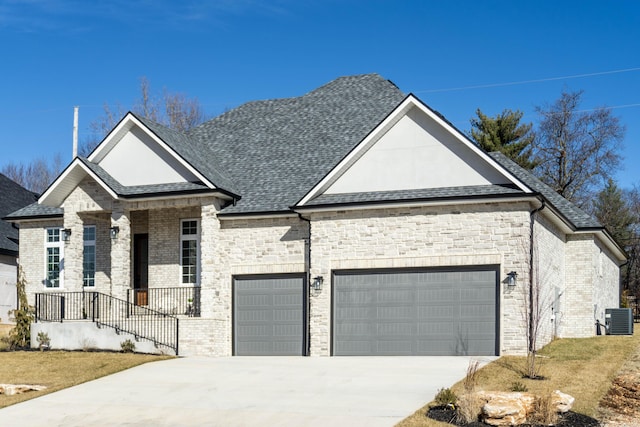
(120, 252)
(72, 279)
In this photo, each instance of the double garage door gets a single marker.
(412, 312)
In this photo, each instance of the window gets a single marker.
(89, 256)
(53, 258)
(189, 256)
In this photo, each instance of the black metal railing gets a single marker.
(59, 306)
(104, 310)
(174, 301)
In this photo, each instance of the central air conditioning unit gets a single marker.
(619, 321)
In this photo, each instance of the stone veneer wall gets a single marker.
(548, 276)
(403, 237)
(606, 292)
(253, 246)
(32, 255)
(478, 234)
(578, 314)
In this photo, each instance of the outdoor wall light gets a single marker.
(114, 232)
(316, 285)
(66, 234)
(511, 279)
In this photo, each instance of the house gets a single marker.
(12, 198)
(352, 220)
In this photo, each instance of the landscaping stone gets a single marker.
(11, 389)
(506, 409)
(509, 409)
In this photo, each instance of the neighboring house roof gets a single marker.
(12, 197)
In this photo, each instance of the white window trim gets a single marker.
(86, 243)
(60, 245)
(188, 237)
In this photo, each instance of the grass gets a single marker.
(59, 369)
(583, 368)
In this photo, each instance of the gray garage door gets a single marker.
(268, 316)
(430, 313)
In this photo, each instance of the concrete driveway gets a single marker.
(249, 391)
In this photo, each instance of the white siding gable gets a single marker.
(139, 160)
(416, 153)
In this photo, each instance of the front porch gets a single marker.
(150, 317)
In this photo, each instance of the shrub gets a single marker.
(519, 387)
(20, 335)
(44, 342)
(128, 346)
(446, 396)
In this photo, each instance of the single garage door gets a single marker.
(268, 316)
(415, 312)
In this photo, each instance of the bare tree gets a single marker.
(174, 110)
(577, 150)
(182, 113)
(36, 175)
(100, 128)
(537, 300)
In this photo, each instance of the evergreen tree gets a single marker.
(506, 134)
(612, 210)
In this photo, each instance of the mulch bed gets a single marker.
(570, 419)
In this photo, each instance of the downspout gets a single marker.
(307, 264)
(531, 247)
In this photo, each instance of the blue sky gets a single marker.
(454, 55)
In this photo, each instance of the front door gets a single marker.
(141, 268)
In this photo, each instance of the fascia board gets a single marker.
(254, 216)
(177, 195)
(123, 127)
(413, 203)
(115, 135)
(409, 102)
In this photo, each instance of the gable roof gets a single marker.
(422, 158)
(275, 151)
(12, 197)
(190, 151)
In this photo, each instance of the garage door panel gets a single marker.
(415, 313)
(268, 316)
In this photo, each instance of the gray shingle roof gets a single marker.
(191, 152)
(12, 197)
(478, 191)
(576, 216)
(275, 151)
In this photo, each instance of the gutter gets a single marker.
(307, 265)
